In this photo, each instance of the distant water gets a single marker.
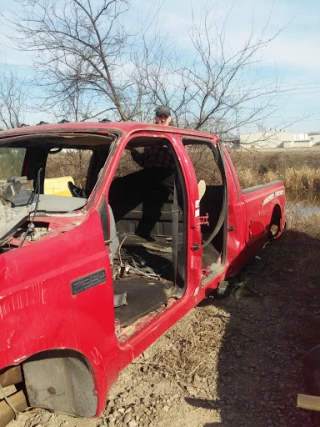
(304, 202)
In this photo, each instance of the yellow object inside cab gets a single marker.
(58, 186)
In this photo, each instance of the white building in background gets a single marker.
(277, 139)
(315, 138)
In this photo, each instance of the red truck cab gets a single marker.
(81, 292)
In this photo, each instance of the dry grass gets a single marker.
(295, 179)
(299, 170)
(184, 360)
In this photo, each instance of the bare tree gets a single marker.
(12, 102)
(217, 91)
(92, 65)
(82, 48)
(75, 105)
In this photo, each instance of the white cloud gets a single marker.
(302, 54)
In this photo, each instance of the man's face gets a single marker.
(163, 119)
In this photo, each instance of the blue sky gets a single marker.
(293, 58)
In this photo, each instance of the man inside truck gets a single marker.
(156, 177)
(158, 157)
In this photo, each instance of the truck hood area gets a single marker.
(15, 214)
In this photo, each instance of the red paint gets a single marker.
(38, 311)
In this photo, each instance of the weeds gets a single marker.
(299, 169)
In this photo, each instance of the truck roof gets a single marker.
(109, 127)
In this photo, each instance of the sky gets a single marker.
(292, 58)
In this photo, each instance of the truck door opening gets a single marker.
(150, 215)
(208, 166)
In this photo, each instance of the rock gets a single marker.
(110, 404)
(276, 370)
(127, 418)
(133, 424)
(147, 354)
(44, 417)
(191, 390)
(197, 378)
(166, 408)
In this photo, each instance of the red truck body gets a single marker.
(59, 320)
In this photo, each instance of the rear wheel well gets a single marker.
(275, 222)
(61, 381)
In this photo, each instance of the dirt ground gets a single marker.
(229, 363)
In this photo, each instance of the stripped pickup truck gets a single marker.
(82, 292)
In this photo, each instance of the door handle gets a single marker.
(195, 247)
(231, 228)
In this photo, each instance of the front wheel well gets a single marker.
(61, 381)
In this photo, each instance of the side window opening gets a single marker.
(53, 166)
(127, 165)
(205, 162)
(208, 168)
(11, 160)
(148, 201)
(64, 166)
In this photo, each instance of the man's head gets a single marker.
(162, 116)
